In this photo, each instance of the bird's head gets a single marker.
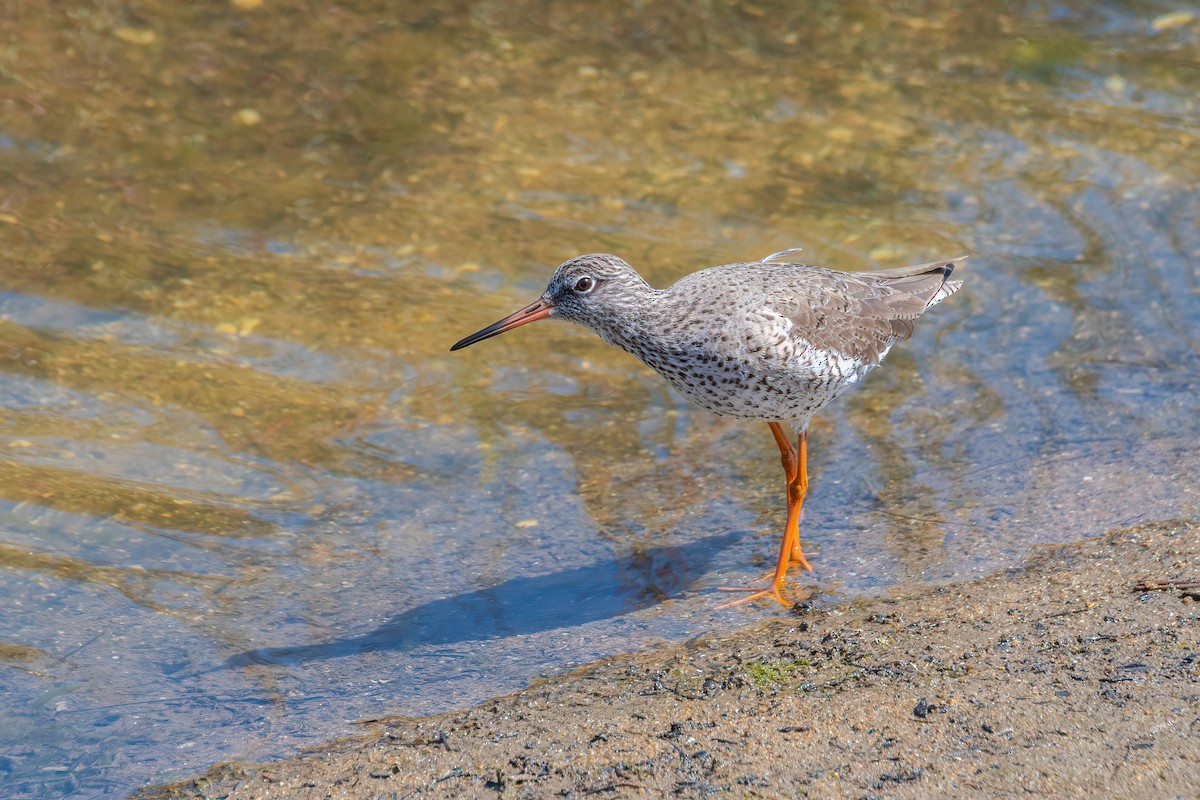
(589, 290)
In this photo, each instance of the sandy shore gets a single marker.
(1076, 676)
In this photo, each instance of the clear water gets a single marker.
(246, 494)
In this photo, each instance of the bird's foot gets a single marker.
(774, 593)
(797, 559)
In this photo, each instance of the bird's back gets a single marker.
(856, 314)
(775, 341)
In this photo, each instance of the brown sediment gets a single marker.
(1077, 675)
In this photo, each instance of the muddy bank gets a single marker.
(1075, 676)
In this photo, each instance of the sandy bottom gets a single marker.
(1075, 676)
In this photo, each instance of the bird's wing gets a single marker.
(858, 315)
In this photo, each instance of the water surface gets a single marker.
(246, 494)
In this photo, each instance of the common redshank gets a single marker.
(767, 340)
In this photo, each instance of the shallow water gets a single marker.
(246, 494)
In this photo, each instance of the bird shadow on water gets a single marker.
(520, 606)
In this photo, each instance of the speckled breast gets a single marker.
(768, 389)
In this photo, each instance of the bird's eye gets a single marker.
(584, 285)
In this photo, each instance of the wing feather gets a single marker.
(860, 314)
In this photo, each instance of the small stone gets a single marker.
(1174, 19)
(527, 523)
(884, 253)
(247, 117)
(139, 36)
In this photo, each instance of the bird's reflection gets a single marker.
(522, 605)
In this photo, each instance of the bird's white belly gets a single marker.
(791, 391)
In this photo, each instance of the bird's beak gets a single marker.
(539, 309)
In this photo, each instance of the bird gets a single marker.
(771, 341)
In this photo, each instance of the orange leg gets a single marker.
(797, 488)
(795, 469)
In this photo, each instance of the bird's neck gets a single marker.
(646, 325)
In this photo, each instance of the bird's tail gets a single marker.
(921, 273)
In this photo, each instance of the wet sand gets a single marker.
(1077, 675)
